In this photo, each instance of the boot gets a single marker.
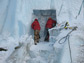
(35, 43)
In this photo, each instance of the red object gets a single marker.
(50, 23)
(35, 25)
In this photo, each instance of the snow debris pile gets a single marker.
(51, 52)
(12, 54)
(21, 54)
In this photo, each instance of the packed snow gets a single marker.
(15, 31)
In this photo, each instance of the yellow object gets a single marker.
(70, 27)
(65, 27)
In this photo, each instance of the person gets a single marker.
(50, 24)
(36, 27)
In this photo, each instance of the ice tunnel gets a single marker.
(43, 16)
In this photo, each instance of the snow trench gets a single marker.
(16, 17)
(49, 52)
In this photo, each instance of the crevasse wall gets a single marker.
(7, 16)
(24, 12)
(16, 15)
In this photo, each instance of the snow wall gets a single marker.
(16, 15)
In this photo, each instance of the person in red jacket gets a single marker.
(50, 24)
(36, 27)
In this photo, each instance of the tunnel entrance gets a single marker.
(43, 16)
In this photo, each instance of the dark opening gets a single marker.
(43, 16)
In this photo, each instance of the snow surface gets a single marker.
(15, 26)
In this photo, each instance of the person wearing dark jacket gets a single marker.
(36, 27)
(50, 24)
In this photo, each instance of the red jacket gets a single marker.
(35, 25)
(50, 23)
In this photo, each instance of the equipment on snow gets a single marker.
(67, 38)
(20, 44)
(2, 49)
(66, 24)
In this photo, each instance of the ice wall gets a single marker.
(7, 17)
(67, 10)
(25, 9)
(13, 12)
(16, 15)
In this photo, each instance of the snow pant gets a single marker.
(36, 36)
(47, 35)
